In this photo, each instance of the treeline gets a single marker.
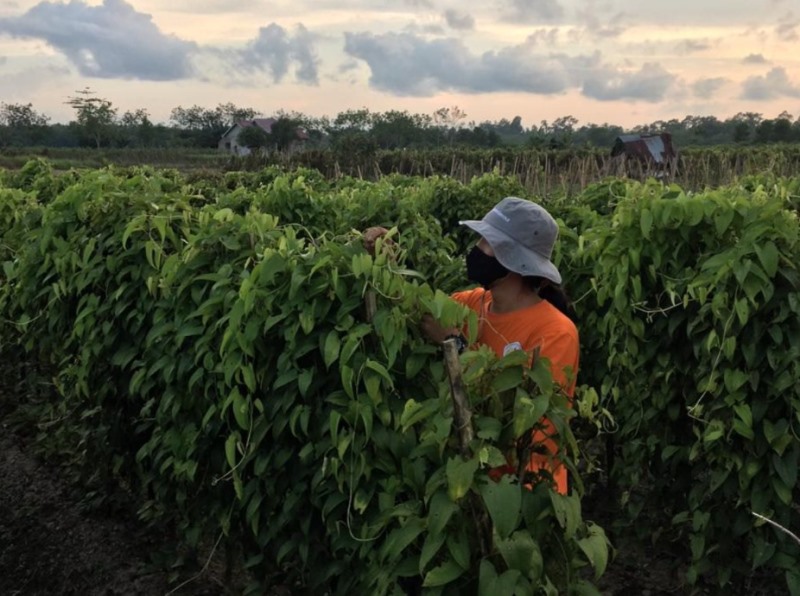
(98, 123)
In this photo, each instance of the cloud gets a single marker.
(531, 11)
(691, 46)
(650, 83)
(459, 20)
(773, 85)
(596, 28)
(787, 28)
(706, 88)
(111, 40)
(275, 50)
(406, 65)
(754, 59)
(403, 64)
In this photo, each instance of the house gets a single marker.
(230, 139)
(652, 153)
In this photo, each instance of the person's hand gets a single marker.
(434, 331)
(371, 235)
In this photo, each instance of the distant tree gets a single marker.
(285, 131)
(765, 132)
(18, 115)
(254, 137)
(136, 128)
(741, 132)
(204, 126)
(22, 125)
(94, 116)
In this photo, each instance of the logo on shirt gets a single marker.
(512, 347)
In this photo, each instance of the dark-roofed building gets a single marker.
(653, 154)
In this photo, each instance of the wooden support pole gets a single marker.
(371, 305)
(462, 413)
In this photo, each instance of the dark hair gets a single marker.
(553, 293)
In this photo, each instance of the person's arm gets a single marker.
(435, 332)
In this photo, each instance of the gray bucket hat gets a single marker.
(522, 235)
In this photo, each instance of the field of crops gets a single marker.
(226, 353)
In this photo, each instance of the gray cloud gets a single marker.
(547, 38)
(754, 59)
(691, 46)
(598, 29)
(459, 20)
(275, 50)
(706, 88)
(787, 28)
(650, 83)
(773, 85)
(531, 11)
(107, 41)
(405, 65)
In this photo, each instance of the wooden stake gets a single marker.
(371, 305)
(461, 410)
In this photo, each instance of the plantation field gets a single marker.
(540, 172)
(220, 354)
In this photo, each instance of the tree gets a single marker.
(21, 124)
(254, 137)
(136, 128)
(95, 116)
(285, 131)
(18, 115)
(204, 126)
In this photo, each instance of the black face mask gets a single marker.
(483, 269)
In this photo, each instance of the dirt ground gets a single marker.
(49, 545)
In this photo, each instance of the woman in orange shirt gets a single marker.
(520, 303)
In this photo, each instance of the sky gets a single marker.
(623, 62)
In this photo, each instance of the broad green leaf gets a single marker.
(520, 552)
(595, 547)
(460, 474)
(440, 511)
(458, 545)
(230, 449)
(568, 512)
(400, 538)
(331, 350)
(433, 542)
(646, 223)
(503, 501)
(769, 256)
(442, 575)
(241, 409)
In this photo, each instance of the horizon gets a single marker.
(600, 61)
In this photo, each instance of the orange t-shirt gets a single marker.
(543, 327)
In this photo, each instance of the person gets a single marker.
(520, 306)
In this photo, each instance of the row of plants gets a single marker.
(222, 367)
(225, 304)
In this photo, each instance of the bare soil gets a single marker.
(51, 545)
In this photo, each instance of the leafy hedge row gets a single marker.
(220, 365)
(688, 308)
